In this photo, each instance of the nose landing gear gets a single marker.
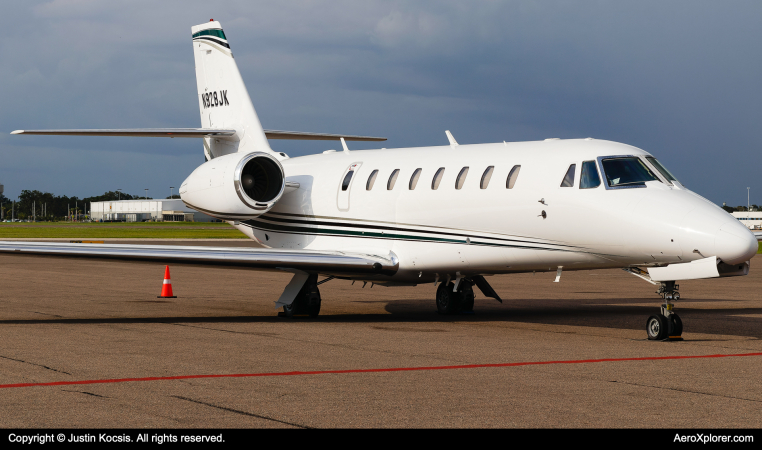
(667, 325)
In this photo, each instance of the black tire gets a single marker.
(467, 298)
(656, 328)
(313, 304)
(447, 300)
(291, 309)
(307, 301)
(677, 326)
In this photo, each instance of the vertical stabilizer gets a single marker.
(222, 96)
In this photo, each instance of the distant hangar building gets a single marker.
(173, 210)
(752, 219)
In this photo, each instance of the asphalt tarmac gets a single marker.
(125, 358)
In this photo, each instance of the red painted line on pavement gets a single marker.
(391, 369)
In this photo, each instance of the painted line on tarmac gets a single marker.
(391, 369)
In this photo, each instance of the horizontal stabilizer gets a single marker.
(139, 132)
(301, 135)
(199, 133)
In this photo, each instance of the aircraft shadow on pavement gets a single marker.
(600, 313)
(569, 312)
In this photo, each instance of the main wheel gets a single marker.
(447, 300)
(291, 309)
(313, 304)
(656, 327)
(467, 298)
(307, 301)
(677, 325)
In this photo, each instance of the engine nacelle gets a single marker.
(235, 186)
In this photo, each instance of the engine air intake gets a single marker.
(261, 179)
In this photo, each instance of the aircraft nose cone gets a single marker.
(735, 243)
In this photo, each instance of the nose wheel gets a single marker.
(667, 325)
(662, 328)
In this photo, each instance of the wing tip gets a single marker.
(17, 132)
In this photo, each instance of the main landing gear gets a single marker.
(307, 301)
(667, 325)
(454, 301)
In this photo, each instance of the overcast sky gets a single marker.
(679, 79)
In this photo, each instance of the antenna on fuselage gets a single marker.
(344, 144)
(453, 142)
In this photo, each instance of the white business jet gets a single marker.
(447, 215)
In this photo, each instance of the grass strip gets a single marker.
(112, 232)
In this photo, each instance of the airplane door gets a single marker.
(345, 186)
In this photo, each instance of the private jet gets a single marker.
(449, 215)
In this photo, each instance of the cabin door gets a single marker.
(345, 186)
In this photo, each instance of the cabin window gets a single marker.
(663, 170)
(589, 178)
(461, 178)
(569, 177)
(347, 180)
(371, 180)
(392, 180)
(486, 176)
(437, 178)
(414, 179)
(627, 171)
(512, 176)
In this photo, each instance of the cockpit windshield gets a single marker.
(667, 174)
(627, 171)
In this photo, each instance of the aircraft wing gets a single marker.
(325, 262)
(199, 133)
(758, 235)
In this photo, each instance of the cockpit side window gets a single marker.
(627, 171)
(663, 170)
(569, 177)
(589, 178)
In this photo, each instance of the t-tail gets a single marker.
(223, 99)
(229, 123)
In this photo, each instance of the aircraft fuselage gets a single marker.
(473, 228)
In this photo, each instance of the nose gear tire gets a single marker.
(656, 328)
(677, 326)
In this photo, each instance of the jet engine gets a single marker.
(235, 186)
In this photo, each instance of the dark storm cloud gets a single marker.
(678, 79)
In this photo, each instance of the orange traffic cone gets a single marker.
(166, 288)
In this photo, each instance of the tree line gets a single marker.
(731, 209)
(47, 206)
(57, 207)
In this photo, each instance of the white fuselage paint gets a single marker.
(443, 232)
